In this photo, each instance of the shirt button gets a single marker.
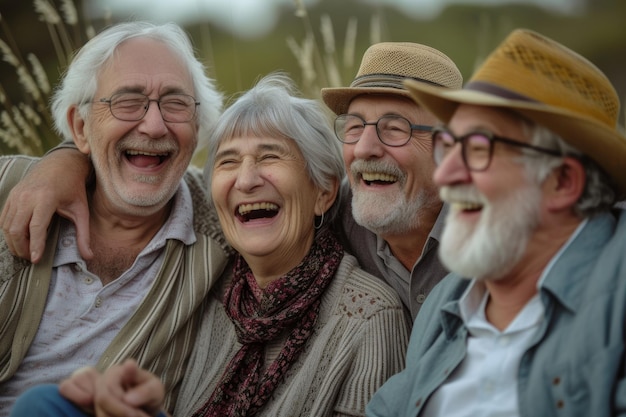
(421, 298)
(88, 280)
(98, 302)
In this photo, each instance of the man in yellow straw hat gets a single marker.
(531, 319)
(393, 216)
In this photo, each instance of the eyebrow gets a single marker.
(141, 89)
(261, 147)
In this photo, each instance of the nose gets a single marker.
(452, 170)
(369, 146)
(248, 176)
(152, 123)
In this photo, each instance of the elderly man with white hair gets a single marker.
(531, 320)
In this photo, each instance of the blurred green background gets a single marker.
(319, 44)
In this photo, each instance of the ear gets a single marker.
(326, 198)
(565, 185)
(77, 125)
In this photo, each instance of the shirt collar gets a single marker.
(178, 226)
(474, 296)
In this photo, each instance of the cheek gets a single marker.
(348, 155)
(187, 135)
(219, 190)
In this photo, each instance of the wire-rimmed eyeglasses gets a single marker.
(391, 130)
(476, 147)
(131, 107)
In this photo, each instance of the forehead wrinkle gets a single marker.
(142, 90)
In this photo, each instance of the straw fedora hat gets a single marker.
(548, 84)
(385, 65)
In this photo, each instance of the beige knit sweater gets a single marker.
(359, 341)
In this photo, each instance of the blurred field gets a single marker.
(319, 47)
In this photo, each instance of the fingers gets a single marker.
(148, 392)
(38, 230)
(127, 390)
(33, 201)
(17, 225)
(78, 213)
(80, 387)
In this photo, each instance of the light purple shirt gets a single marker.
(81, 316)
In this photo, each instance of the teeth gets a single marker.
(378, 176)
(465, 205)
(247, 208)
(133, 153)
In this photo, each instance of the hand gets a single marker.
(127, 390)
(80, 387)
(56, 183)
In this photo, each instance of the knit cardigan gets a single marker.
(359, 341)
(160, 334)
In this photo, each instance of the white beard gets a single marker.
(384, 216)
(393, 212)
(492, 247)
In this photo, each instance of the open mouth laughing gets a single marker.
(144, 159)
(466, 206)
(462, 199)
(253, 211)
(370, 178)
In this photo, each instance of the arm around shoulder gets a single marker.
(48, 187)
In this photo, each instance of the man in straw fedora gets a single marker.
(531, 319)
(393, 217)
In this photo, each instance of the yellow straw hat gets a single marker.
(385, 65)
(548, 84)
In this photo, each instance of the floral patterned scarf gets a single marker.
(289, 303)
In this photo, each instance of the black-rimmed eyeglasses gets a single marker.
(476, 147)
(131, 107)
(391, 130)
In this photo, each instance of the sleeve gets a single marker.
(12, 170)
(380, 354)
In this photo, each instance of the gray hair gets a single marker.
(599, 193)
(80, 81)
(273, 108)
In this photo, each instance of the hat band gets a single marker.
(386, 81)
(495, 90)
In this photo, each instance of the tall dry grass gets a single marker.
(25, 122)
(26, 125)
(321, 63)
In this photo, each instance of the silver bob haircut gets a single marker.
(274, 108)
(80, 81)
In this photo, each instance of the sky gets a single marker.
(250, 18)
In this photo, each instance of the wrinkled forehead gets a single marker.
(376, 105)
(146, 65)
(499, 120)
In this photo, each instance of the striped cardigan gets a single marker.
(161, 333)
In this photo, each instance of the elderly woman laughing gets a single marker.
(294, 327)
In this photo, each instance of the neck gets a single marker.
(267, 268)
(508, 294)
(117, 240)
(407, 247)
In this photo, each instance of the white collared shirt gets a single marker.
(485, 383)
